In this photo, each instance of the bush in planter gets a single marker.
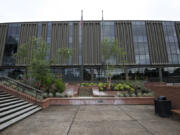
(116, 88)
(121, 88)
(100, 86)
(127, 87)
(131, 90)
(45, 95)
(91, 84)
(50, 94)
(139, 94)
(59, 86)
(133, 95)
(47, 83)
(104, 86)
(112, 86)
(126, 95)
(82, 84)
(61, 95)
(120, 94)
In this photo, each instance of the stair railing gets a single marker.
(24, 88)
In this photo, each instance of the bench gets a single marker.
(176, 111)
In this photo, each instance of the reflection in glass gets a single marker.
(171, 42)
(140, 42)
(11, 45)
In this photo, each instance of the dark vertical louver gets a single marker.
(75, 44)
(3, 33)
(124, 36)
(60, 39)
(28, 31)
(156, 43)
(177, 26)
(91, 40)
(44, 31)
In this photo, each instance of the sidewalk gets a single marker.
(96, 120)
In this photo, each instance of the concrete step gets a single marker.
(12, 106)
(8, 100)
(10, 103)
(20, 117)
(5, 98)
(2, 114)
(13, 109)
(2, 93)
(5, 95)
(13, 115)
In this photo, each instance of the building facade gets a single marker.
(152, 48)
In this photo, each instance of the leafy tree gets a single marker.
(39, 67)
(22, 55)
(34, 52)
(110, 49)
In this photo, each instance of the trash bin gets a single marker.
(162, 106)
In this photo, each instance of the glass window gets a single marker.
(11, 45)
(171, 42)
(140, 42)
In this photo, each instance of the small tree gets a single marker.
(34, 54)
(22, 54)
(110, 49)
(65, 53)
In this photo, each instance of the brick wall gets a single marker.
(80, 101)
(171, 92)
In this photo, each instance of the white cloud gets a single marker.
(56, 10)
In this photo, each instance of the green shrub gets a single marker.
(121, 87)
(82, 84)
(100, 86)
(139, 94)
(133, 95)
(50, 94)
(86, 84)
(59, 85)
(127, 87)
(116, 88)
(120, 94)
(45, 95)
(126, 95)
(60, 94)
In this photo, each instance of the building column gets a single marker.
(160, 75)
(126, 73)
(82, 73)
(92, 74)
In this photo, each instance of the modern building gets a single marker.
(152, 48)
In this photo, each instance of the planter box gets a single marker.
(81, 100)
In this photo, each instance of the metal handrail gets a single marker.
(24, 87)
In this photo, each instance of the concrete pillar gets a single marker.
(160, 75)
(126, 73)
(92, 74)
(82, 73)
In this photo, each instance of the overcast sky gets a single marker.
(57, 10)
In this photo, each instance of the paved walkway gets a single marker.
(96, 120)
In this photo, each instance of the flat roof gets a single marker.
(89, 21)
